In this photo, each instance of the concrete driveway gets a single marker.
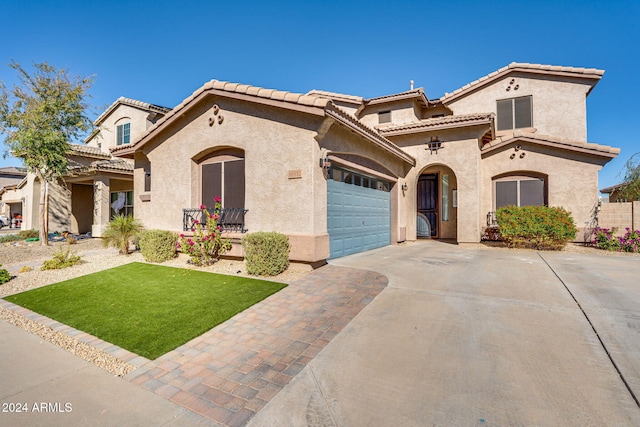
(475, 336)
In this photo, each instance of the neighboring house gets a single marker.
(10, 177)
(97, 185)
(340, 174)
(614, 194)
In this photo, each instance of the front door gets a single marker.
(428, 202)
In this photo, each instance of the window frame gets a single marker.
(123, 133)
(518, 180)
(222, 160)
(513, 113)
(127, 209)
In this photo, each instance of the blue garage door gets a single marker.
(359, 217)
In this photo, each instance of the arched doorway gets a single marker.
(436, 203)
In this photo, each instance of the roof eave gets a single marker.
(371, 136)
(611, 153)
(423, 129)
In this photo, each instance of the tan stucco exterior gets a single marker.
(282, 137)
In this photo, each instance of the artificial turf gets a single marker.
(144, 308)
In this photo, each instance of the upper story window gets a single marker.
(123, 134)
(515, 113)
(384, 117)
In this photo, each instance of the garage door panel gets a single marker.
(358, 219)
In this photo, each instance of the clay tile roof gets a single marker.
(585, 147)
(231, 88)
(414, 93)
(589, 73)
(133, 103)
(439, 123)
(85, 150)
(118, 165)
(341, 97)
(354, 124)
(13, 170)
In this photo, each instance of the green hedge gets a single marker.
(266, 253)
(4, 276)
(536, 227)
(157, 245)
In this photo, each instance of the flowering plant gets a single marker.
(606, 239)
(206, 245)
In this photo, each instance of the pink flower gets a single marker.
(219, 228)
(217, 199)
(191, 242)
(195, 221)
(202, 207)
(215, 217)
(182, 235)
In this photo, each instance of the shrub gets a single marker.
(4, 276)
(158, 245)
(266, 253)
(25, 269)
(10, 238)
(62, 258)
(536, 227)
(606, 239)
(207, 244)
(120, 231)
(28, 234)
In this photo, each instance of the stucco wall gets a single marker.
(460, 155)
(572, 177)
(106, 137)
(274, 141)
(406, 111)
(559, 106)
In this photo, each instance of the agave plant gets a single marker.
(120, 231)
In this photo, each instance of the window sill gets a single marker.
(145, 197)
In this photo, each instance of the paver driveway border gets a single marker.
(232, 371)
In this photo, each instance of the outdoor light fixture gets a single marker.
(405, 187)
(325, 162)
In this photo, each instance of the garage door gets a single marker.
(359, 216)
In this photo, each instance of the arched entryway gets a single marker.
(436, 203)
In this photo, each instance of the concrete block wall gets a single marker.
(620, 215)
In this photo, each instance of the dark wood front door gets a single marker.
(428, 200)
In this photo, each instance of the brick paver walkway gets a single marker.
(232, 371)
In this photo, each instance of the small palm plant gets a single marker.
(120, 231)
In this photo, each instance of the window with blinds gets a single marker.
(520, 191)
(515, 113)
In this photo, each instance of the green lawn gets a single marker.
(147, 309)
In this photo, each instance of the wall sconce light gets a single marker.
(325, 162)
(518, 147)
(405, 187)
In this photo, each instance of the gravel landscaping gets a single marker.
(16, 255)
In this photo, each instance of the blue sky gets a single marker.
(161, 51)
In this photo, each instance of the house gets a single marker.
(340, 174)
(11, 208)
(97, 185)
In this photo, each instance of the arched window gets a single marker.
(520, 190)
(222, 174)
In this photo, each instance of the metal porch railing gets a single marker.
(231, 219)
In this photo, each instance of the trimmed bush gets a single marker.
(266, 253)
(536, 227)
(4, 276)
(61, 259)
(158, 245)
